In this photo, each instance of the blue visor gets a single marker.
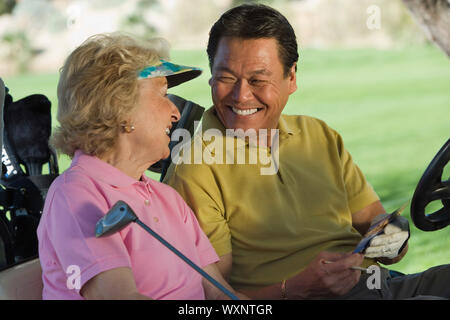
(175, 74)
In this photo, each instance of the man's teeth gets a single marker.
(245, 112)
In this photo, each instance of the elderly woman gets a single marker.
(114, 118)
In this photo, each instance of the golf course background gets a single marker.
(392, 108)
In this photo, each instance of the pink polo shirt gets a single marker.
(70, 254)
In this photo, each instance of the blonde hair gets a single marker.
(98, 89)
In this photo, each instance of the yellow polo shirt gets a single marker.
(274, 225)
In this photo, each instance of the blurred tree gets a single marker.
(235, 3)
(20, 50)
(136, 23)
(7, 6)
(434, 17)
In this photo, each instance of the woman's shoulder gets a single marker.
(71, 182)
(73, 197)
(72, 177)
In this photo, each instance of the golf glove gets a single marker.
(391, 241)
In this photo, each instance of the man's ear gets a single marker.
(292, 76)
(210, 82)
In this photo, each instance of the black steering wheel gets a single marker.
(431, 187)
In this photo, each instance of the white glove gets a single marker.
(391, 242)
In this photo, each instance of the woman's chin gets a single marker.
(163, 155)
(166, 154)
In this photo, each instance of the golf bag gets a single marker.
(26, 129)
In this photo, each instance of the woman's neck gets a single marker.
(126, 161)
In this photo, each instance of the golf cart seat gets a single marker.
(22, 282)
(190, 114)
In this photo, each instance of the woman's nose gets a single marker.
(175, 113)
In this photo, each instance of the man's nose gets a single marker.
(241, 91)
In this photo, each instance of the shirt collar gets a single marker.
(287, 127)
(105, 172)
(211, 121)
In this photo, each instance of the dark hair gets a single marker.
(254, 21)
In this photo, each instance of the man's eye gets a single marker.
(257, 82)
(225, 79)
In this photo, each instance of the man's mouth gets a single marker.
(245, 112)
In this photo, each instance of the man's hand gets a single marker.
(392, 242)
(320, 279)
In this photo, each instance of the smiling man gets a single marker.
(249, 84)
(290, 234)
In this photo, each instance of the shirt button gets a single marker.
(155, 219)
(147, 202)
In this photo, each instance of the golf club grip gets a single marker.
(187, 260)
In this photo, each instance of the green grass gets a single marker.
(391, 106)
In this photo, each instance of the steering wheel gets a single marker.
(431, 188)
